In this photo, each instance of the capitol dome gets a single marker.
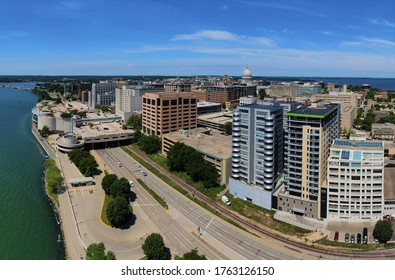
(247, 73)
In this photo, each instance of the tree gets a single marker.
(383, 231)
(154, 248)
(107, 181)
(96, 251)
(192, 255)
(44, 132)
(150, 144)
(118, 212)
(175, 158)
(88, 165)
(135, 122)
(227, 127)
(210, 175)
(262, 94)
(120, 187)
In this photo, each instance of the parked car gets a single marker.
(365, 235)
(352, 238)
(347, 237)
(336, 236)
(359, 238)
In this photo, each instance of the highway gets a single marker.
(233, 242)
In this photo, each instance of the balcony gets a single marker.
(268, 181)
(268, 158)
(236, 160)
(269, 118)
(268, 152)
(236, 119)
(235, 165)
(236, 135)
(236, 150)
(268, 135)
(269, 128)
(236, 139)
(236, 144)
(236, 129)
(235, 171)
(268, 164)
(268, 169)
(269, 141)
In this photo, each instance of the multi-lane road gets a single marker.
(186, 225)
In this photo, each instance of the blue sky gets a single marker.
(334, 38)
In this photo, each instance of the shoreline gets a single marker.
(51, 201)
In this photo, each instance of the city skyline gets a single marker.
(282, 38)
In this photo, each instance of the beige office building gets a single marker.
(348, 105)
(167, 112)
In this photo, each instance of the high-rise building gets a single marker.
(257, 153)
(356, 181)
(103, 93)
(166, 112)
(311, 130)
(129, 99)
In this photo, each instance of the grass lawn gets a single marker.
(107, 201)
(159, 199)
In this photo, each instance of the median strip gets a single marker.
(159, 199)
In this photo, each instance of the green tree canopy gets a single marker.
(118, 212)
(227, 127)
(150, 144)
(135, 122)
(154, 248)
(193, 255)
(107, 181)
(96, 251)
(383, 231)
(120, 187)
(262, 94)
(44, 132)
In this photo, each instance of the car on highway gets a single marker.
(143, 173)
(347, 237)
(119, 164)
(352, 238)
(336, 238)
(131, 183)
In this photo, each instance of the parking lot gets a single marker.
(351, 229)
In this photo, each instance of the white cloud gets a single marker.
(376, 41)
(382, 22)
(206, 34)
(221, 35)
(351, 43)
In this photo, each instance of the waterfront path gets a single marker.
(44, 144)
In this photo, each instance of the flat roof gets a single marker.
(313, 112)
(101, 129)
(217, 145)
(219, 117)
(263, 107)
(364, 145)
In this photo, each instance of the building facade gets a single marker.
(106, 91)
(129, 100)
(257, 153)
(167, 112)
(311, 130)
(356, 181)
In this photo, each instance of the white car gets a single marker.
(131, 183)
(143, 173)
